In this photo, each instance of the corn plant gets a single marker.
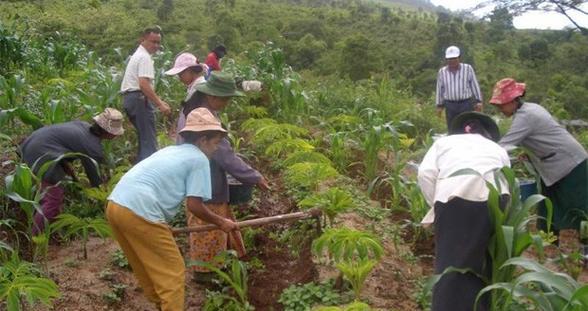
(24, 186)
(74, 226)
(338, 152)
(540, 287)
(417, 209)
(21, 284)
(511, 236)
(235, 276)
(374, 140)
(331, 202)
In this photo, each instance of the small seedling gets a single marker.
(116, 294)
(120, 260)
(106, 275)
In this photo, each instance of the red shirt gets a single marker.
(212, 62)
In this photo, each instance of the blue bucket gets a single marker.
(527, 188)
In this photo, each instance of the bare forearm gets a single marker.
(198, 209)
(147, 89)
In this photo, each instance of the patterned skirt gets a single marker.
(206, 245)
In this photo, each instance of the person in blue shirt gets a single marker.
(150, 194)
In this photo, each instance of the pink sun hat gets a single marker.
(182, 62)
(506, 90)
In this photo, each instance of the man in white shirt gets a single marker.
(457, 87)
(139, 95)
(459, 206)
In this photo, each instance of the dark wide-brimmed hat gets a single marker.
(462, 123)
(219, 84)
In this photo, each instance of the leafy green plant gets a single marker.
(287, 145)
(20, 282)
(356, 272)
(305, 156)
(235, 276)
(540, 287)
(307, 176)
(266, 131)
(115, 295)
(510, 237)
(119, 259)
(354, 306)
(331, 202)
(303, 297)
(344, 244)
(75, 226)
(417, 210)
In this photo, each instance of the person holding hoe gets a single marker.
(150, 194)
(54, 141)
(459, 207)
(555, 154)
(215, 95)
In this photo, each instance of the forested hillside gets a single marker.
(344, 38)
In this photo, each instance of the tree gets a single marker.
(518, 7)
(165, 10)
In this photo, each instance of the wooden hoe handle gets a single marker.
(253, 222)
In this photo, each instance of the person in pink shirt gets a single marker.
(214, 57)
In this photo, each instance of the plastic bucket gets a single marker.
(238, 192)
(527, 188)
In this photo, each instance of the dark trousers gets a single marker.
(455, 107)
(142, 115)
(462, 234)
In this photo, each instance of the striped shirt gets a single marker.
(458, 85)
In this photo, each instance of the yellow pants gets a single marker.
(205, 245)
(153, 255)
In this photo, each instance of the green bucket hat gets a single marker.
(460, 122)
(219, 84)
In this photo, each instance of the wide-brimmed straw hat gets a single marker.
(183, 62)
(220, 84)
(506, 90)
(110, 120)
(460, 123)
(201, 119)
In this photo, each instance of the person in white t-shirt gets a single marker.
(139, 95)
(459, 208)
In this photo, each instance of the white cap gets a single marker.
(452, 52)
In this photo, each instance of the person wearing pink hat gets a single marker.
(555, 154)
(148, 197)
(191, 73)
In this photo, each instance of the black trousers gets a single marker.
(141, 113)
(462, 234)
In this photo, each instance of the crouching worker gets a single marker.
(150, 194)
(459, 207)
(51, 142)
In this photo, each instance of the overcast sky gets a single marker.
(540, 20)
